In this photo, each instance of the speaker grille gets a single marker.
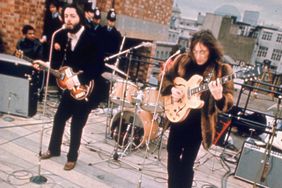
(17, 96)
(250, 166)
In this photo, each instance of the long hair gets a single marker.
(207, 39)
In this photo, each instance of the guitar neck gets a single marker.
(54, 72)
(205, 87)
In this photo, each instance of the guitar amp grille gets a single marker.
(250, 166)
(19, 86)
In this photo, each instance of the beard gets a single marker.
(75, 29)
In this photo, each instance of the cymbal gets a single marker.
(114, 68)
(110, 76)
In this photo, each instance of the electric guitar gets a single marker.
(178, 111)
(63, 75)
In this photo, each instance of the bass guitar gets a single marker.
(178, 111)
(64, 75)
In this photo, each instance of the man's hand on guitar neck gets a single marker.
(176, 94)
(40, 65)
(216, 89)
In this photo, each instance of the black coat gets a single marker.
(31, 48)
(86, 57)
(112, 40)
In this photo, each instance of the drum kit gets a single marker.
(140, 111)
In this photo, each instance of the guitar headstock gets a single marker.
(248, 72)
(19, 54)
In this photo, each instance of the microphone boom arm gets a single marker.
(143, 44)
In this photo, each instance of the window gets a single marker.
(279, 38)
(262, 51)
(158, 54)
(266, 35)
(166, 54)
(276, 55)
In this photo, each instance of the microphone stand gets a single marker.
(39, 179)
(266, 161)
(143, 44)
(154, 117)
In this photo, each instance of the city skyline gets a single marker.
(270, 10)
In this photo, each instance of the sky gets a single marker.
(270, 10)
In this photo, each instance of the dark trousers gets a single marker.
(78, 111)
(183, 146)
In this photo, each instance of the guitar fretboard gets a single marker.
(205, 87)
(54, 72)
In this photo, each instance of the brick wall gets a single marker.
(14, 14)
(158, 11)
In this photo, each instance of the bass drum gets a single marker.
(141, 130)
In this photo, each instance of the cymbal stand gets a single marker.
(116, 155)
(132, 127)
(266, 160)
(110, 104)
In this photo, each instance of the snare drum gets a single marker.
(142, 128)
(150, 100)
(117, 95)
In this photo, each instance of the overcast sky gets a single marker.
(270, 10)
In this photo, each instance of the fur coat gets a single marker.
(211, 107)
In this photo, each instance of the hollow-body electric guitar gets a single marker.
(63, 75)
(192, 89)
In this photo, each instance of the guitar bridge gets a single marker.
(188, 93)
(62, 76)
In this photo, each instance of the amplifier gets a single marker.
(19, 84)
(250, 166)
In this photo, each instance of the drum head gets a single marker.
(121, 133)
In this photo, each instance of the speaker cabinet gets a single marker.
(19, 84)
(17, 96)
(250, 166)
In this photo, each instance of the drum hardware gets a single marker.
(164, 124)
(116, 154)
(132, 141)
(122, 120)
(115, 68)
(112, 77)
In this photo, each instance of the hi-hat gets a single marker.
(114, 68)
(110, 76)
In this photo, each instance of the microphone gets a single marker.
(63, 27)
(180, 51)
(169, 60)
